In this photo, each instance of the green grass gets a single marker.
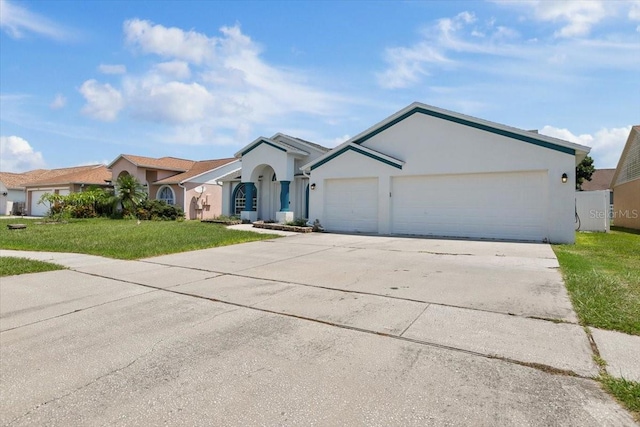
(602, 273)
(10, 266)
(626, 392)
(123, 239)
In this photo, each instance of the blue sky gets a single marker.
(84, 81)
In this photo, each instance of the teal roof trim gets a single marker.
(359, 151)
(465, 122)
(262, 141)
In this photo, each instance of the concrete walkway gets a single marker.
(436, 312)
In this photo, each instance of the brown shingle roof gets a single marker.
(90, 175)
(21, 180)
(197, 169)
(600, 180)
(168, 163)
(13, 180)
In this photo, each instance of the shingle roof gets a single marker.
(313, 144)
(600, 180)
(13, 180)
(169, 163)
(91, 175)
(20, 180)
(198, 168)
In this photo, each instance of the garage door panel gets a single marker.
(499, 205)
(38, 209)
(351, 205)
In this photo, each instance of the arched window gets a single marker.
(239, 197)
(166, 193)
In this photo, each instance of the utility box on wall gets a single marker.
(593, 210)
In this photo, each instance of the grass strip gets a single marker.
(602, 274)
(625, 391)
(11, 266)
(121, 239)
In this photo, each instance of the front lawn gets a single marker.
(123, 239)
(602, 273)
(10, 266)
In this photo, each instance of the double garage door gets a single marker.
(492, 205)
(42, 209)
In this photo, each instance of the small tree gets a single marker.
(130, 193)
(584, 171)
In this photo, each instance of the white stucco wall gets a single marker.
(431, 146)
(263, 154)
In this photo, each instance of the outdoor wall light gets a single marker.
(313, 186)
(564, 178)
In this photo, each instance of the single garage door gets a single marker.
(36, 208)
(351, 205)
(492, 205)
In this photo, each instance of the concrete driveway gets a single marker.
(320, 329)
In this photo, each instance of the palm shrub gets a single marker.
(130, 193)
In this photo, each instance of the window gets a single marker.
(166, 193)
(239, 200)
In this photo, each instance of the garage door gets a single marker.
(496, 205)
(38, 209)
(351, 205)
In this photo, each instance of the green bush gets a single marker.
(91, 203)
(158, 210)
(298, 222)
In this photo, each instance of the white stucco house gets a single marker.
(422, 171)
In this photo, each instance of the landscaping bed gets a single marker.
(282, 227)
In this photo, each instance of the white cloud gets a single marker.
(174, 69)
(172, 102)
(576, 18)
(112, 69)
(606, 144)
(58, 102)
(209, 89)
(464, 42)
(17, 155)
(17, 20)
(169, 42)
(103, 101)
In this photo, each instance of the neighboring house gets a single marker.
(11, 191)
(62, 181)
(600, 180)
(192, 185)
(626, 183)
(429, 171)
(271, 185)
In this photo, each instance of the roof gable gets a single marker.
(278, 145)
(628, 168)
(484, 125)
(555, 144)
(375, 155)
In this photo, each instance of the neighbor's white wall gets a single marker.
(434, 146)
(12, 196)
(593, 210)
